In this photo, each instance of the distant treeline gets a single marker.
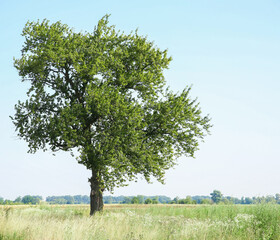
(139, 199)
(67, 199)
(25, 200)
(216, 197)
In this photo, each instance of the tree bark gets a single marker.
(96, 194)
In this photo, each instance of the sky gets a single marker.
(228, 51)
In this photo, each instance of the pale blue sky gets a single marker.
(228, 50)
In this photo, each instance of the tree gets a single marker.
(135, 200)
(277, 198)
(103, 95)
(148, 201)
(8, 202)
(69, 199)
(127, 200)
(27, 199)
(248, 200)
(60, 200)
(108, 200)
(31, 199)
(140, 199)
(176, 199)
(216, 196)
(270, 199)
(225, 201)
(188, 200)
(17, 200)
(206, 201)
(155, 200)
(164, 199)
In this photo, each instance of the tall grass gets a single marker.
(141, 222)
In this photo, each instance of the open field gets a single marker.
(140, 222)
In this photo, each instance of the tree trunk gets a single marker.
(96, 194)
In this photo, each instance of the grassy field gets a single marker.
(141, 222)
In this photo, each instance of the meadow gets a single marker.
(140, 222)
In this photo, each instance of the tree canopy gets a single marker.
(216, 196)
(103, 94)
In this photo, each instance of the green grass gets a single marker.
(141, 222)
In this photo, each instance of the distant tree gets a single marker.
(60, 200)
(277, 198)
(198, 199)
(270, 199)
(233, 200)
(104, 94)
(181, 201)
(27, 199)
(225, 201)
(249, 200)
(108, 199)
(216, 196)
(78, 199)
(31, 199)
(119, 199)
(176, 199)
(127, 200)
(188, 200)
(8, 202)
(155, 200)
(17, 200)
(206, 201)
(164, 199)
(140, 199)
(135, 200)
(1, 200)
(48, 199)
(69, 199)
(148, 201)
(258, 200)
(85, 199)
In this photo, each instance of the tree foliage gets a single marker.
(216, 196)
(103, 94)
(31, 199)
(148, 201)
